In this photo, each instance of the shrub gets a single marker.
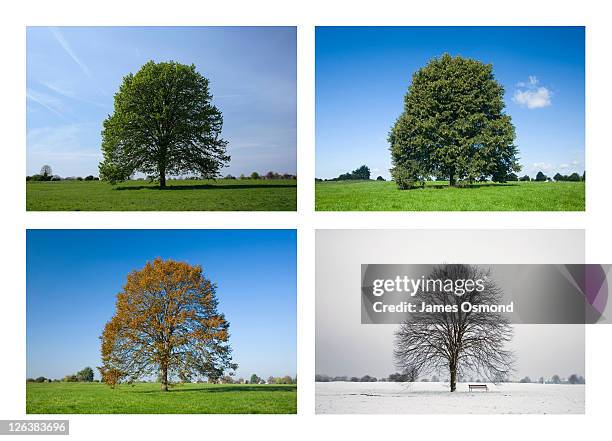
(89, 178)
(254, 175)
(380, 178)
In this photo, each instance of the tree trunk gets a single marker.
(162, 178)
(164, 379)
(452, 179)
(453, 377)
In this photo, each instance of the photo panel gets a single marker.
(161, 322)
(450, 118)
(117, 114)
(482, 336)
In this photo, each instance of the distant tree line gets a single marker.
(556, 379)
(46, 174)
(411, 377)
(363, 173)
(255, 379)
(86, 375)
(268, 176)
(541, 177)
(359, 174)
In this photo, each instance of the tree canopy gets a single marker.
(86, 374)
(166, 323)
(46, 171)
(456, 342)
(163, 123)
(453, 126)
(360, 173)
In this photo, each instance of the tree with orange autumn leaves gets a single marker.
(166, 324)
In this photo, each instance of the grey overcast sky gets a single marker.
(346, 347)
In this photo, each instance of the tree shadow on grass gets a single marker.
(204, 187)
(233, 388)
(469, 186)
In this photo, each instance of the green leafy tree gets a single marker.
(453, 125)
(163, 123)
(254, 379)
(46, 172)
(541, 177)
(87, 374)
(362, 172)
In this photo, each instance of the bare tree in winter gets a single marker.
(456, 342)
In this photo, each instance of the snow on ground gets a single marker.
(433, 398)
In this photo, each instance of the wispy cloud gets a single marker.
(64, 44)
(63, 148)
(529, 94)
(64, 91)
(49, 102)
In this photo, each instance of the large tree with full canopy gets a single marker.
(163, 123)
(453, 126)
(166, 324)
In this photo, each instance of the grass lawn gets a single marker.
(189, 195)
(69, 398)
(437, 196)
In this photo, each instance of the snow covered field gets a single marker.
(434, 398)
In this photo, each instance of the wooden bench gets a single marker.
(478, 387)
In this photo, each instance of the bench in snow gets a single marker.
(478, 387)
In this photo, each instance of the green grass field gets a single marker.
(97, 398)
(437, 196)
(188, 195)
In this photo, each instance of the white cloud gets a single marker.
(564, 166)
(532, 96)
(543, 166)
(533, 99)
(532, 82)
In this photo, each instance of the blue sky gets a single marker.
(363, 73)
(73, 73)
(73, 277)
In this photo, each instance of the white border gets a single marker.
(305, 15)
